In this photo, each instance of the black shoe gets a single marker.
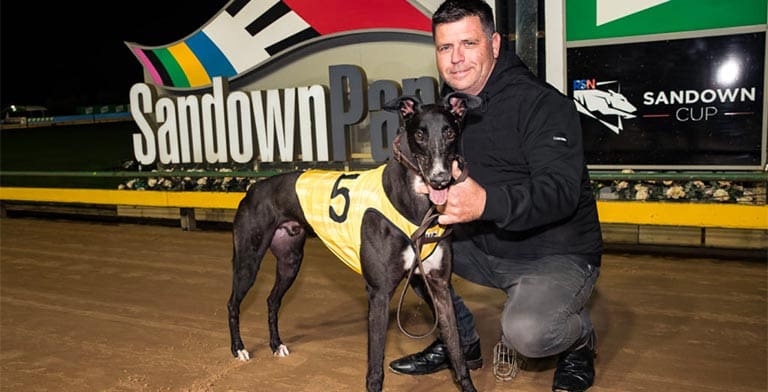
(576, 367)
(435, 358)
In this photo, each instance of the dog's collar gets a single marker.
(398, 154)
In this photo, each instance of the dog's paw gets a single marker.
(282, 351)
(243, 355)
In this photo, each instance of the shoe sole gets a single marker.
(471, 365)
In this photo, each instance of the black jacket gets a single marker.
(524, 146)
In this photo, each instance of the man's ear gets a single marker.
(460, 103)
(405, 105)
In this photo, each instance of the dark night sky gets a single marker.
(68, 54)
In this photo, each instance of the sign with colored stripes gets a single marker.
(283, 80)
(247, 34)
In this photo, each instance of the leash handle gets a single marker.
(418, 239)
(402, 296)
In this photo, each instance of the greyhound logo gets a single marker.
(602, 104)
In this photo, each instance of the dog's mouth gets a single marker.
(438, 197)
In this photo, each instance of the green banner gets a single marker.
(597, 19)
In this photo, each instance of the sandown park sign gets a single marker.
(239, 126)
(273, 81)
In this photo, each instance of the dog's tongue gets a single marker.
(438, 197)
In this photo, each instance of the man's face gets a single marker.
(465, 55)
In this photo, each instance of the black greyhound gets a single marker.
(275, 215)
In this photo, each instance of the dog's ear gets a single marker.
(405, 105)
(460, 103)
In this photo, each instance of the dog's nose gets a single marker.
(441, 180)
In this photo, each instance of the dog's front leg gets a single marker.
(378, 303)
(450, 332)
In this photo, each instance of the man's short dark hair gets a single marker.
(455, 10)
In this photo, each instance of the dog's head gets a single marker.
(432, 132)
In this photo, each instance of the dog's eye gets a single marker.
(449, 134)
(419, 135)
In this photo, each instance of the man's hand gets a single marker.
(466, 200)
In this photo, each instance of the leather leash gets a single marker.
(418, 239)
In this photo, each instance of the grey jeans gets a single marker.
(545, 312)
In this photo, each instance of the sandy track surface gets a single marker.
(125, 307)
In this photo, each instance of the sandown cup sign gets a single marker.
(669, 84)
(267, 81)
